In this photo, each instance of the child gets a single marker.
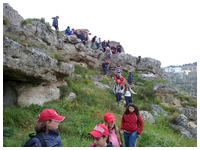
(105, 66)
(47, 125)
(114, 134)
(127, 95)
(131, 125)
(130, 78)
(118, 69)
(117, 89)
(100, 136)
(55, 22)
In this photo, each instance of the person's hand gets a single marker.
(121, 131)
(138, 135)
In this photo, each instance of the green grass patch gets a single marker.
(87, 110)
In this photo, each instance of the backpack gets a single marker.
(39, 136)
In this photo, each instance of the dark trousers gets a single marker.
(128, 99)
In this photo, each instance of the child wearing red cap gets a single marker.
(46, 126)
(100, 136)
(114, 133)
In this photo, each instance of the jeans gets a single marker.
(128, 100)
(109, 56)
(118, 96)
(105, 70)
(130, 138)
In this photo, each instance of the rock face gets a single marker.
(11, 15)
(187, 82)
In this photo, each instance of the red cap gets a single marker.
(49, 114)
(109, 117)
(99, 131)
(107, 61)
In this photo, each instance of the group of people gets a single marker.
(92, 42)
(107, 134)
(119, 86)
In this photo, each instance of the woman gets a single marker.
(127, 95)
(131, 125)
(114, 133)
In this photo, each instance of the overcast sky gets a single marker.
(165, 30)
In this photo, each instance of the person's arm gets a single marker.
(132, 91)
(122, 125)
(141, 125)
(114, 89)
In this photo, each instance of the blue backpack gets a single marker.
(39, 136)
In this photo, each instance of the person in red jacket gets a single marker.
(131, 125)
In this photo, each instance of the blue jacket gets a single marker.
(55, 21)
(52, 140)
(67, 31)
(104, 65)
(130, 78)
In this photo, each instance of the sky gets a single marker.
(165, 30)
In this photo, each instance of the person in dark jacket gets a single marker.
(103, 45)
(47, 125)
(55, 22)
(119, 48)
(105, 66)
(100, 135)
(130, 79)
(82, 36)
(93, 42)
(67, 31)
(108, 43)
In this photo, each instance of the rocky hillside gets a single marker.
(36, 60)
(186, 79)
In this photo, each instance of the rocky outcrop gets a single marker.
(11, 15)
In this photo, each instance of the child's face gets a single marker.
(52, 125)
(111, 124)
(131, 109)
(100, 141)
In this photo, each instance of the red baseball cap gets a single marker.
(99, 131)
(49, 114)
(109, 117)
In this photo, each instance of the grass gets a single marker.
(87, 110)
